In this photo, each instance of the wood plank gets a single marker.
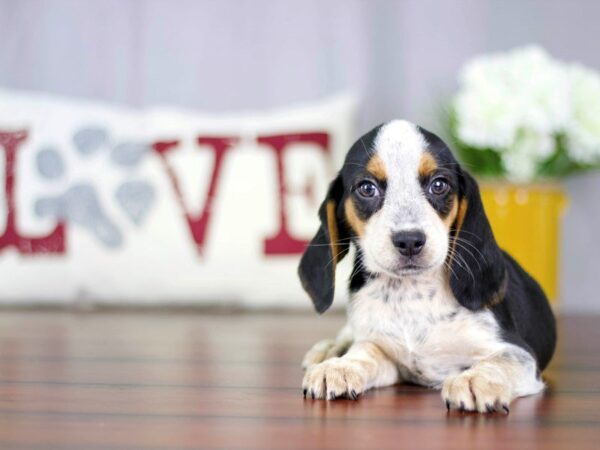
(179, 381)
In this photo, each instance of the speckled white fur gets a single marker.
(411, 327)
(419, 324)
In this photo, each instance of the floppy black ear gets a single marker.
(478, 274)
(330, 245)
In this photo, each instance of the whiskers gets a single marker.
(343, 250)
(460, 261)
(359, 267)
(466, 249)
(339, 241)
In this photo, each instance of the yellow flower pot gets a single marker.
(526, 222)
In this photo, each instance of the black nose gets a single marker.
(409, 243)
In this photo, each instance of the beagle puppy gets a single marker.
(433, 299)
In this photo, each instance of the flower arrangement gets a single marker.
(525, 116)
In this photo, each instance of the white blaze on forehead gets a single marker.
(400, 146)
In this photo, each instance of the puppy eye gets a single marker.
(439, 186)
(367, 189)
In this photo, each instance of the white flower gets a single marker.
(522, 158)
(583, 128)
(503, 93)
(514, 103)
(484, 118)
(517, 104)
(519, 167)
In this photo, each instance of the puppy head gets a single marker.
(404, 201)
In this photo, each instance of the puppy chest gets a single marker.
(422, 329)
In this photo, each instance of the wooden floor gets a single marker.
(180, 381)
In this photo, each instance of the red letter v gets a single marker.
(198, 224)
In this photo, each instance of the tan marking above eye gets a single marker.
(376, 167)
(427, 165)
(355, 222)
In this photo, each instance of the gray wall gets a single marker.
(401, 56)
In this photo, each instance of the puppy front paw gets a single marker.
(334, 378)
(474, 390)
(323, 350)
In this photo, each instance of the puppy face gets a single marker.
(404, 201)
(401, 199)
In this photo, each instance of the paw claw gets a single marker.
(448, 405)
(335, 378)
(474, 390)
(304, 392)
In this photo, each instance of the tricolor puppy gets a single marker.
(433, 299)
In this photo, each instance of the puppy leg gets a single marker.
(491, 384)
(328, 348)
(364, 366)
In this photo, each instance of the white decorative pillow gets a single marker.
(114, 205)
